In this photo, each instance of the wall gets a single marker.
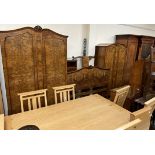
(95, 33)
(105, 33)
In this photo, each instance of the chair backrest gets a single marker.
(145, 115)
(33, 99)
(64, 93)
(150, 103)
(118, 95)
(131, 125)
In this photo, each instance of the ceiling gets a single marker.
(144, 26)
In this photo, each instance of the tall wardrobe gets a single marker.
(126, 59)
(113, 57)
(33, 58)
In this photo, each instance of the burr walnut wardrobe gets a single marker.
(33, 59)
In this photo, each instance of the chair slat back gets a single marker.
(119, 95)
(131, 125)
(64, 93)
(33, 99)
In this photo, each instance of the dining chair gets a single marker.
(145, 115)
(64, 93)
(119, 95)
(151, 103)
(34, 99)
(131, 125)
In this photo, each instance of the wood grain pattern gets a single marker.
(85, 61)
(138, 49)
(131, 43)
(136, 80)
(88, 113)
(55, 54)
(1, 121)
(114, 57)
(17, 48)
(89, 80)
(33, 59)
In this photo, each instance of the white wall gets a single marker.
(95, 33)
(105, 33)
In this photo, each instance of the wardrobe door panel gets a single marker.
(99, 55)
(19, 68)
(40, 67)
(110, 61)
(54, 48)
(33, 58)
(122, 76)
(113, 57)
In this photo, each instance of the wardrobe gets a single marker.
(125, 59)
(113, 57)
(138, 46)
(139, 52)
(33, 59)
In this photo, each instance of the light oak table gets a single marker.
(92, 112)
(1, 121)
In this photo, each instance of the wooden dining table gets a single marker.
(92, 112)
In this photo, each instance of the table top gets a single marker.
(92, 112)
(1, 121)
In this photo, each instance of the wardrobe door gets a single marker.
(55, 54)
(116, 60)
(100, 52)
(113, 57)
(122, 73)
(19, 65)
(110, 62)
(131, 43)
(136, 80)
